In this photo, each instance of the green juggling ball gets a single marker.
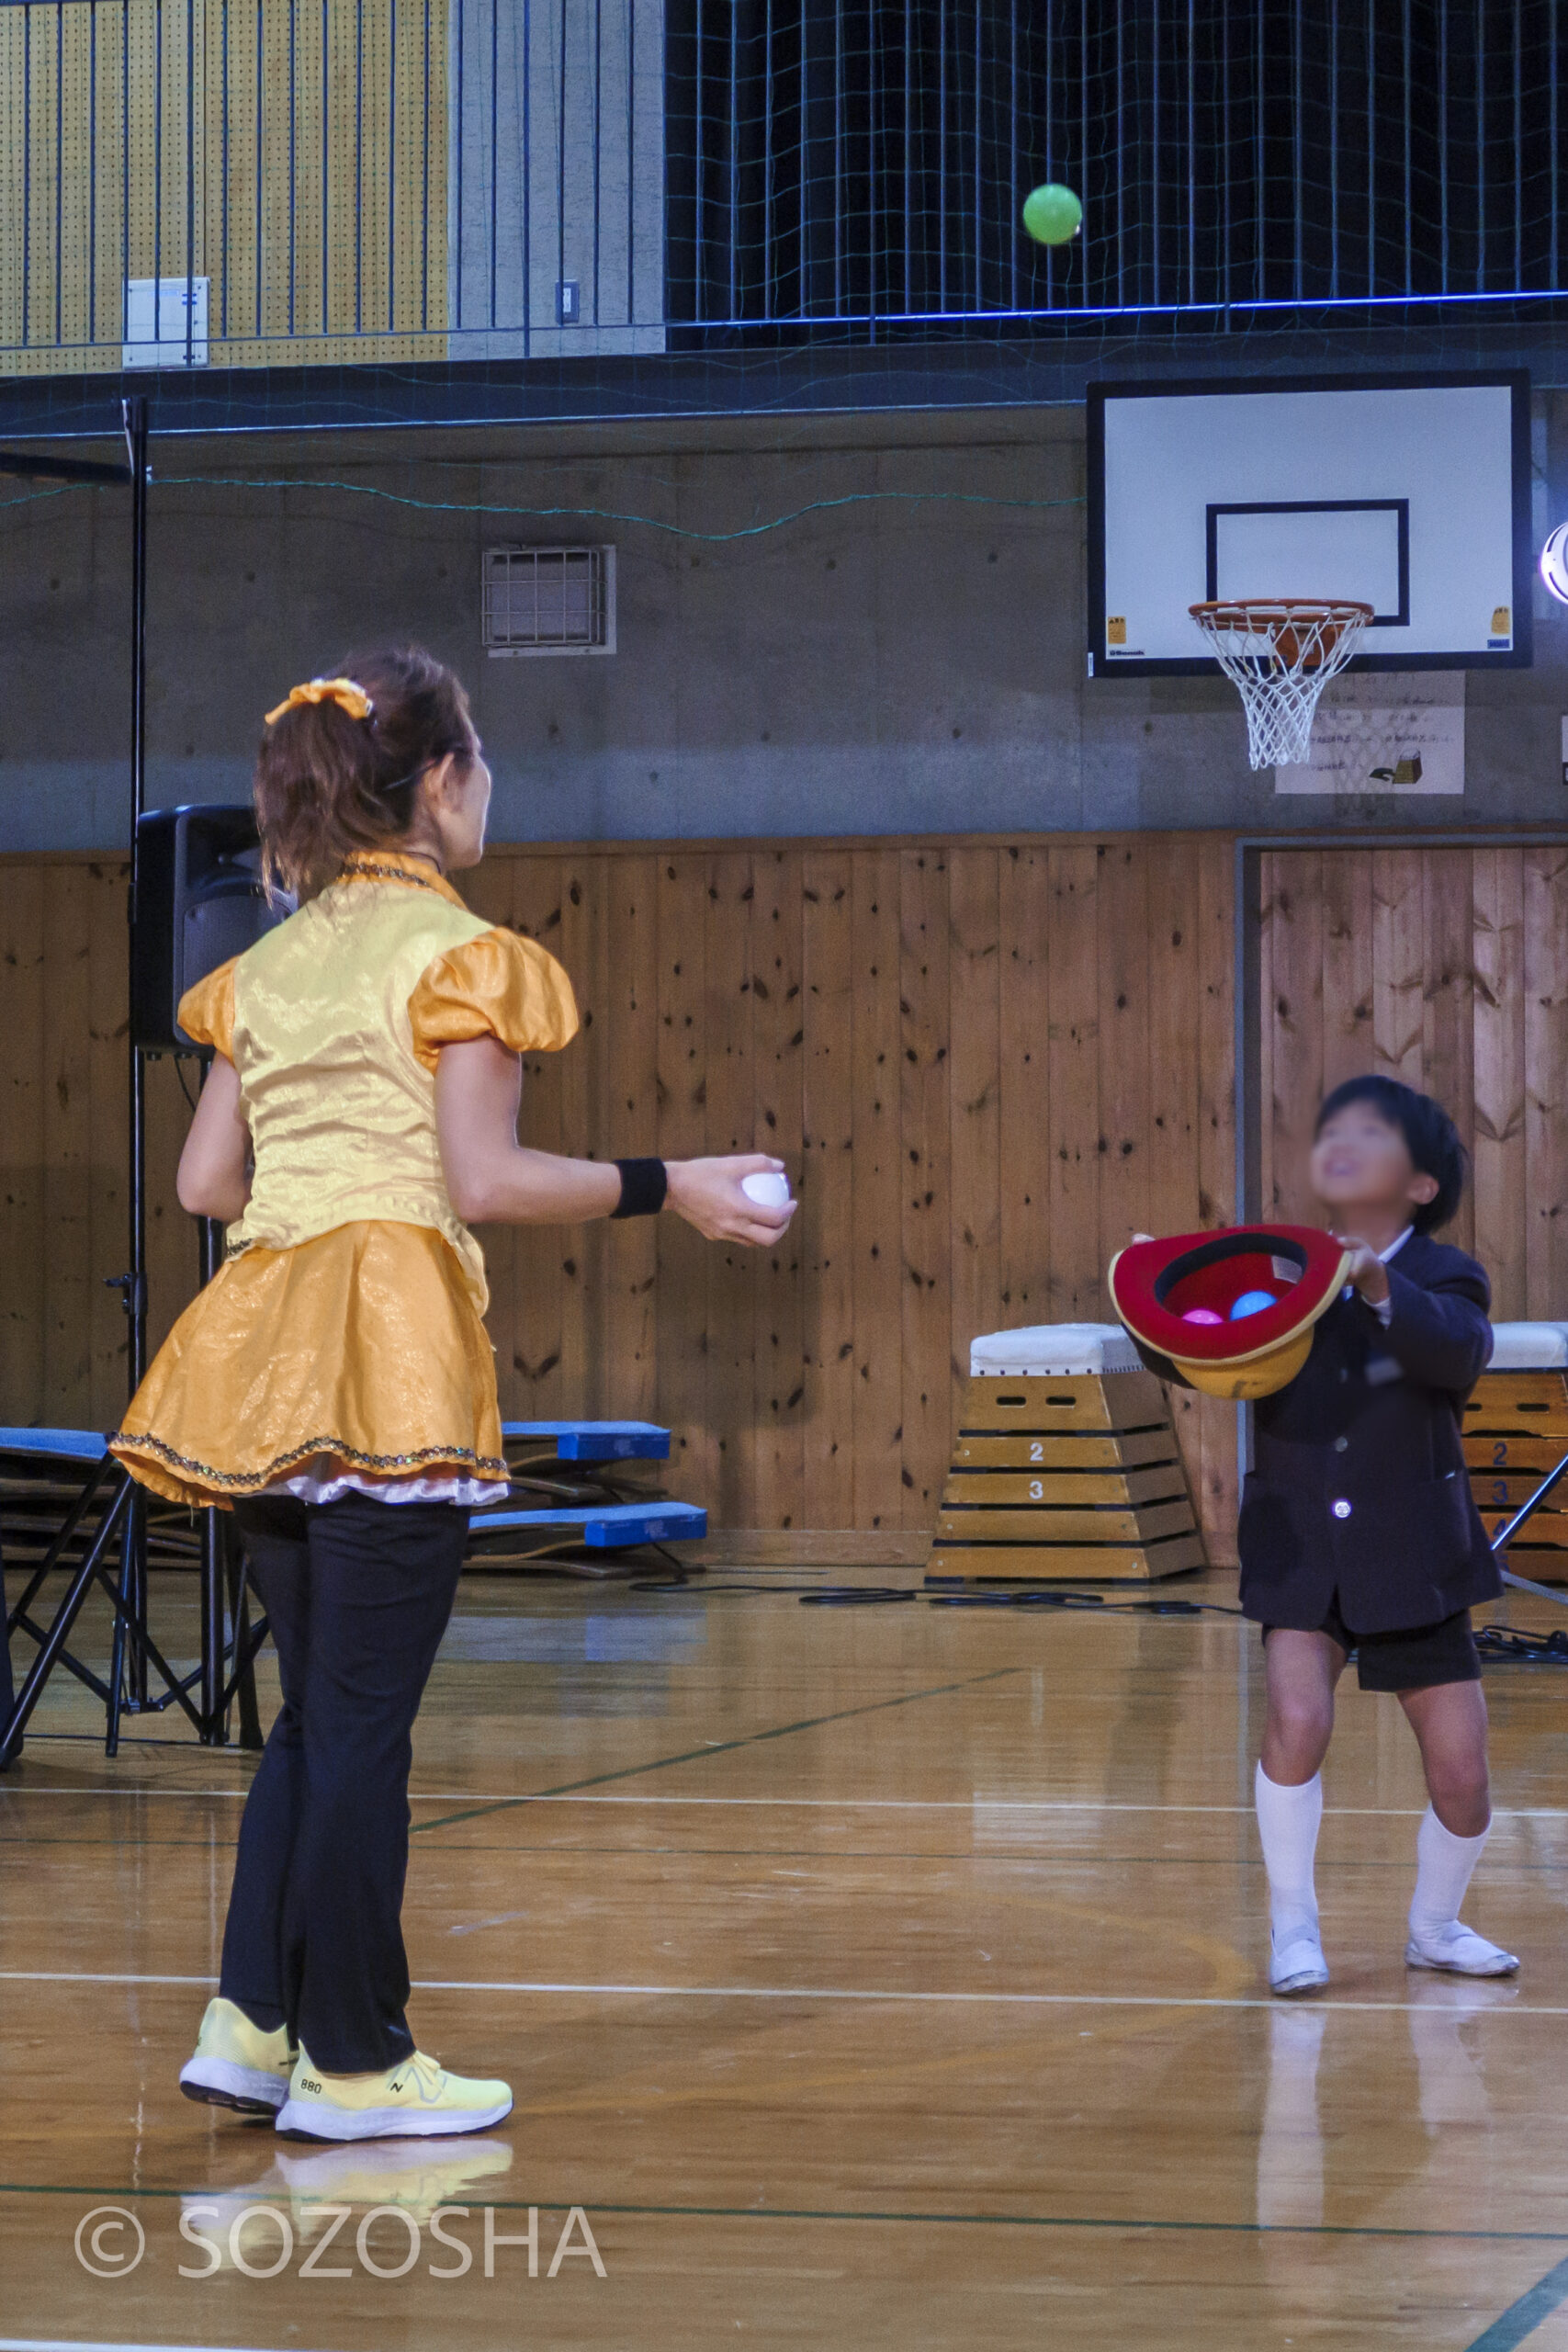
(1052, 214)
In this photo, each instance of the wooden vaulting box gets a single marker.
(1066, 1468)
(1515, 1430)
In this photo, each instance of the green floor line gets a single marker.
(1521, 2319)
(711, 1747)
(594, 2207)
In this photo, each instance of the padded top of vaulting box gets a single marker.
(1105, 1347)
(1529, 1347)
(1057, 1348)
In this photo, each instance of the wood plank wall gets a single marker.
(986, 1062)
(1448, 967)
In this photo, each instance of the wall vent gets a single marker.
(549, 600)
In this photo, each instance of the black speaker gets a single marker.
(199, 902)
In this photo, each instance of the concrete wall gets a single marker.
(907, 654)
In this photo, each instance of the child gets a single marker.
(335, 1383)
(1357, 1527)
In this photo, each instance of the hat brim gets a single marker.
(1154, 1284)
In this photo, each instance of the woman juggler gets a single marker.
(334, 1384)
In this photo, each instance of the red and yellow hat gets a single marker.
(1180, 1298)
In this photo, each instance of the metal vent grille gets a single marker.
(550, 600)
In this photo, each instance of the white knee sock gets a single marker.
(1288, 1824)
(1443, 1865)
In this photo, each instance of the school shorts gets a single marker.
(1417, 1658)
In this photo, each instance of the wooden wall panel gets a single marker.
(827, 1183)
(876, 1182)
(983, 1061)
(1447, 967)
(1499, 969)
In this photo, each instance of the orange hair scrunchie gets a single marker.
(342, 690)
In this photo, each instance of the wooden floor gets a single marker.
(882, 1976)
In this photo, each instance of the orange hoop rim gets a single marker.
(1253, 610)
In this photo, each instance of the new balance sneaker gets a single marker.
(236, 2064)
(416, 2099)
(1458, 1951)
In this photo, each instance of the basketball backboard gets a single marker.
(1409, 493)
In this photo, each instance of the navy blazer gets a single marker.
(1360, 1488)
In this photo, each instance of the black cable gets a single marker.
(1511, 1645)
(699, 1584)
(856, 1596)
(1052, 1599)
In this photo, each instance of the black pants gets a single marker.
(358, 1593)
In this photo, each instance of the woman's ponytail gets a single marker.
(341, 761)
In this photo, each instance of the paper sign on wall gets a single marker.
(1394, 733)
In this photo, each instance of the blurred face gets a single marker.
(455, 807)
(1360, 1162)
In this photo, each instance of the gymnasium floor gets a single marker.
(883, 1976)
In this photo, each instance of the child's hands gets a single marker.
(1366, 1270)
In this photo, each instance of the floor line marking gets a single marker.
(1521, 2319)
(580, 1795)
(1015, 1856)
(843, 1993)
(831, 2213)
(722, 1746)
(63, 2344)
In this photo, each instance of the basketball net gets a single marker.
(1279, 652)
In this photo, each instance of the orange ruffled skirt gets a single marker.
(361, 1349)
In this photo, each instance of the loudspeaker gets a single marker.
(199, 902)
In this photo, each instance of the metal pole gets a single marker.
(133, 1582)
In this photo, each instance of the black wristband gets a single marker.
(644, 1184)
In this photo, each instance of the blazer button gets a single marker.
(1341, 1445)
(1342, 1509)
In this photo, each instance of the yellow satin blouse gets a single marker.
(343, 1335)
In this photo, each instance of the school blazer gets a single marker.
(1358, 1487)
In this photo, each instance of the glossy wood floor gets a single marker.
(881, 1976)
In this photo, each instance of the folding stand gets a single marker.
(121, 1504)
(93, 1524)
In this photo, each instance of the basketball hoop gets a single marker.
(1279, 652)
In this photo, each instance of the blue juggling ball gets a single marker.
(1252, 1302)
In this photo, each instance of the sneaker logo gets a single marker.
(306, 2084)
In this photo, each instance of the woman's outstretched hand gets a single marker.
(707, 1193)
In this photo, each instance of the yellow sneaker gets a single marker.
(416, 2099)
(236, 2064)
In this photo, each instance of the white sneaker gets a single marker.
(418, 2099)
(236, 2064)
(1458, 1949)
(1295, 1961)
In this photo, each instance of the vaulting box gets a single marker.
(1066, 1466)
(1515, 1430)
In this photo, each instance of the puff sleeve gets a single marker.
(207, 1011)
(499, 985)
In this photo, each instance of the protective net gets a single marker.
(199, 184)
(1279, 652)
